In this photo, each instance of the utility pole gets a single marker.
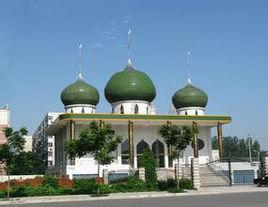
(249, 149)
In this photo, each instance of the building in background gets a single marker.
(4, 122)
(42, 143)
(28, 143)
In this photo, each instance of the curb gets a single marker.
(124, 196)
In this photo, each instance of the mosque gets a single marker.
(133, 116)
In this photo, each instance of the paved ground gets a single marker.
(225, 196)
(254, 199)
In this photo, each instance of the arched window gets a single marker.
(141, 147)
(83, 110)
(121, 109)
(125, 152)
(136, 109)
(186, 113)
(196, 112)
(159, 153)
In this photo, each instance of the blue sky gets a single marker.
(228, 40)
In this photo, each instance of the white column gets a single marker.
(196, 173)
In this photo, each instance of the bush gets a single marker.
(65, 182)
(186, 183)
(85, 186)
(132, 185)
(149, 163)
(105, 189)
(50, 181)
(162, 185)
(175, 190)
(171, 183)
(2, 194)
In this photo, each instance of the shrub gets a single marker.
(162, 185)
(186, 183)
(18, 191)
(105, 189)
(175, 190)
(65, 182)
(2, 194)
(50, 181)
(132, 185)
(149, 163)
(85, 186)
(171, 183)
(35, 182)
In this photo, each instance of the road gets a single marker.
(256, 199)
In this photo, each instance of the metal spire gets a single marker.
(129, 45)
(188, 67)
(80, 62)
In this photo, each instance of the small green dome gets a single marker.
(130, 84)
(80, 93)
(190, 96)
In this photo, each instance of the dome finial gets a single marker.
(188, 66)
(80, 77)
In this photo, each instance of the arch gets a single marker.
(121, 109)
(83, 110)
(186, 113)
(196, 112)
(125, 152)
(141, 147)
(147, 110)
(159, 153)
(136, 109)
(72, 111)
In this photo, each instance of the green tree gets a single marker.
(178, 138)
(238, 148)
(27, 163)
(148, 161)
(97, 140)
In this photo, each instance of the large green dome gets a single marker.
(190, 96)
(80, 93)
(130, 84)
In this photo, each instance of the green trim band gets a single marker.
(218, 118)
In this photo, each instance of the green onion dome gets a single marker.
(190, 96)
(130, 84)
(80, 92)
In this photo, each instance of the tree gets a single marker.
(26, 163)
(95, 140)
(238, 148)
(148, 161)
(18, 162)
(178, 138)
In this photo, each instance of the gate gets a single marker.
(227, 171)
(243, 176)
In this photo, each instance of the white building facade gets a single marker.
(42, 143)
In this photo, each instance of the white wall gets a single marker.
(129, 106)
(87, 165)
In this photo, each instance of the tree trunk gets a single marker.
(178, 173)
(98, 190)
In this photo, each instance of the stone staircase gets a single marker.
(211, 177)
